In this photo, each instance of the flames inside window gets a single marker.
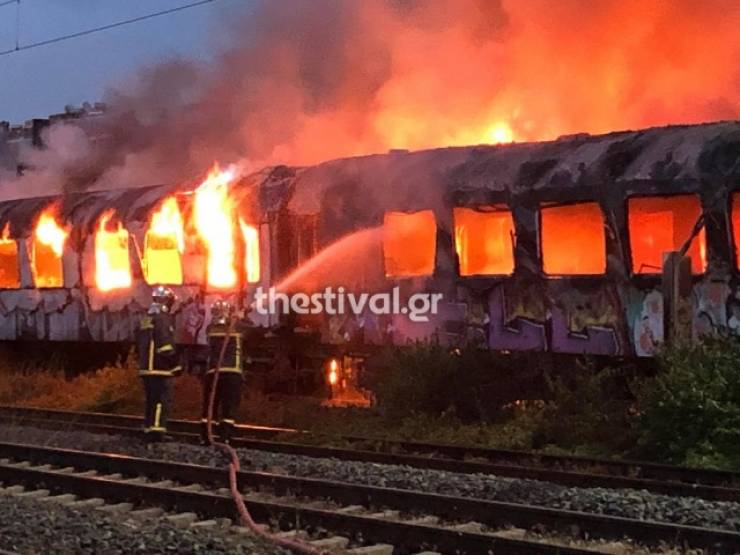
(658, 225)
(48, 247)
(112, 268)
(572, 239)
(9, 273)
(484, 241)
(163, 244)
(215, 223)
(409, 243)
(736, 226)
(251, 252)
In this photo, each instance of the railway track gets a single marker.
(568, 471)
(333, 515)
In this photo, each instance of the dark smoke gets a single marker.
(308, 80)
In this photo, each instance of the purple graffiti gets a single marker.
(522, 336)
(595, 340)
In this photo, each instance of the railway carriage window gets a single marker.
(661, 224)
(736, 225)
(251, 252)
(9, 272)
(163, 244)
(48, 246)
(409, 243)
(572, 239)
(484, 241)
(112, 268)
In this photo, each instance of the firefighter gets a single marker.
(228, 388)
(158, 360)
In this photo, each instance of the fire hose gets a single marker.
(234, 466)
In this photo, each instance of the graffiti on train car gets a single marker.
(557, 246)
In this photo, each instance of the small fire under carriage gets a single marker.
(555, 246)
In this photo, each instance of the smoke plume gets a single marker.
(307, 81)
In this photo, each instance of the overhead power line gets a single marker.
(8, 3)
(78, 34)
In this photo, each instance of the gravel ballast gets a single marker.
(29, 526)
(638, 504)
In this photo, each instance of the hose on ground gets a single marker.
(234, 466)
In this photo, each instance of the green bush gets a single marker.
(690, 411)
(588, 410)
(471, 384)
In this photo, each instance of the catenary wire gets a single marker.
(78, 34)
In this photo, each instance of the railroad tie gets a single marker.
(64, 499)
(377, 549)
(511, 533)
(93, 502)
(33, 494)
(331, 544)
(474, 527)
(292, 534)
(182, 520)
(351, 509)
(191, 487)
(13, 490)
(149, 512)
(201, 524)
(116, 508)
(425, 520)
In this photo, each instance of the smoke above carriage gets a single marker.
(299, 83)
(302, 83)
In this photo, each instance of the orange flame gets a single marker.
(9, 272)
(5, 239)
(167, 222)
(48, 247)
(112, 269)
(163, 244)
(214, 221)
(50, 233)
(252, 251)
(333, 371)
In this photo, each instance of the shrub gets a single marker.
(588, 409)
(690, 411)
(471, 384)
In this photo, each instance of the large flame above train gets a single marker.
(214, 219)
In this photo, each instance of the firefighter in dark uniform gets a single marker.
(228, 388)
(158, 360)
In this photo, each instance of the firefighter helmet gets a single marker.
(221, 312)
(162, 299)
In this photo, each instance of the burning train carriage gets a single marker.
(552, 246)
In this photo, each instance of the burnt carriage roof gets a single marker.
(402, 180)
(405, 179)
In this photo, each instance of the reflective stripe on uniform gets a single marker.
(165, 373)
(226, 370)
(151, 355)
(149, 429)
(157, 415)
(228, 421)
(165, 348)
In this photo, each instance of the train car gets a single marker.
(554, 246)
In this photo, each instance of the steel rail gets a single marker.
(407, 536)
(128, 425)
(491, 513)
(614, 467)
